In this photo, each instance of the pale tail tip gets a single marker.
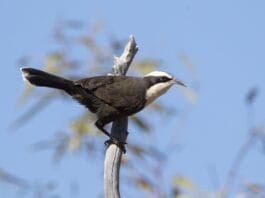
(22, 69)
(24, 73)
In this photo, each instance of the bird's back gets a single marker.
(124, 93)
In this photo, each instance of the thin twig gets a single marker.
(237, 162)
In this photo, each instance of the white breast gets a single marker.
(155, 91)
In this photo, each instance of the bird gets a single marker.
(109, 97)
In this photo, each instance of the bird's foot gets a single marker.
(120, 144)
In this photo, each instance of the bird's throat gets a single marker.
(155, 91)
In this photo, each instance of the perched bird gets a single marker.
(109, 97)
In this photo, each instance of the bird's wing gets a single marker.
(94, 83)
(120, 92)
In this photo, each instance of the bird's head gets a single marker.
(158, 84)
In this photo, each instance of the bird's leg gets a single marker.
(99, 124)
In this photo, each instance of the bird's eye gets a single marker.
(164, 79)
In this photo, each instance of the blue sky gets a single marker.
(225, 40)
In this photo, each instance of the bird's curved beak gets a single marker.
(179, 82)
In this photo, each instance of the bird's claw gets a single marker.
(120, 144)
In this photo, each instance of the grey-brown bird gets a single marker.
(109, 97)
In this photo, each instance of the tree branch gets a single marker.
(119, 128)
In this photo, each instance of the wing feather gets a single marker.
(120, 92)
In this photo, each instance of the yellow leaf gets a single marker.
(144, 184)
(82, 125)
(74, 143)
(145, 66)
(183, 182)
(25, 94)
(52, 62)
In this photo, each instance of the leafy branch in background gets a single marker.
(254, 135)
(26, 188)
(80, 52)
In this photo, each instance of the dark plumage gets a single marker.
(109, 97)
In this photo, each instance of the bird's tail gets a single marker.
(44, 79)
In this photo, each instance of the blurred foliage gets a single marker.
(78, 52)
(69, 37)
(25, 188)
(183, 183)
(251, 95)
(97, 58)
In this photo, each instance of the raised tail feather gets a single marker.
(44, 79)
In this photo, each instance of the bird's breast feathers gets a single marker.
(155, 91)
